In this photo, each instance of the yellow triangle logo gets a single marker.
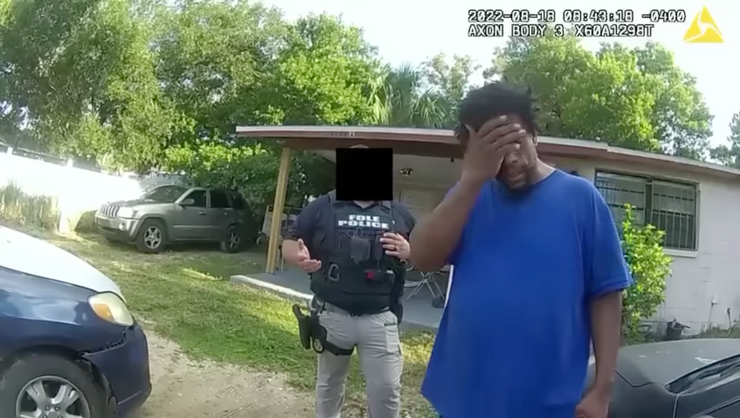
(703, 30)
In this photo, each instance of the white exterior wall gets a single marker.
(699, 278)
(76, 190)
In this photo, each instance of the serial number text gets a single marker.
(613, 30)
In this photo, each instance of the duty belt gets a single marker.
(319, 306)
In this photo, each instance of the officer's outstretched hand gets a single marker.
(396, 245)
(304, 259)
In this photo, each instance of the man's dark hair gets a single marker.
(496, 99)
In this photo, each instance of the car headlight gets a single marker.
(110, 307)
(126, 212)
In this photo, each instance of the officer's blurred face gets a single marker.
(519, 168)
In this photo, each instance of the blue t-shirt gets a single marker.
(514, 337)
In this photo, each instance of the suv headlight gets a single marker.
(126, 212)
(110, 307)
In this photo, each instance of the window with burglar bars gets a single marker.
(669, 206)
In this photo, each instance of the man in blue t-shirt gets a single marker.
(539, 272)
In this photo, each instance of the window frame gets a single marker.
(649, 195)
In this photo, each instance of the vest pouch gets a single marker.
(359, 249)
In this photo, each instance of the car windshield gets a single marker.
(165, 194)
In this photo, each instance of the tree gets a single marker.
(215, 60)
(78, 78)
(633, 98)
(38, 42)
(229, 64)
(729, 155)
(426, 97)
(399, 98)
(237, 64)
(680, 117)
(324, 71)
(449, 83)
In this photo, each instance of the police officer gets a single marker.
(355, 253)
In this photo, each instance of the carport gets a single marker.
(423, 158)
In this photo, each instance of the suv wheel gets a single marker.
(152, 237)
(47, 385)
(233, 241)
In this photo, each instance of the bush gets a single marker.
(649, 266)
(21, 209)
(86, 223)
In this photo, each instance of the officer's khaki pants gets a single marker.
(379, 349)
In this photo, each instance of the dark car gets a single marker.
(688, 378)
(170, 214)
(69, 346)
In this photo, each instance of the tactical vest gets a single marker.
(357, 275)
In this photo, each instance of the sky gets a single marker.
(410, 31)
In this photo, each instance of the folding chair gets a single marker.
(430, 281)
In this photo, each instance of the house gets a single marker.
(691, 201)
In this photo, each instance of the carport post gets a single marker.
(277, 210)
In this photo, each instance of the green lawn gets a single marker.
(185, 295)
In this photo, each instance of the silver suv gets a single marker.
(172, 213)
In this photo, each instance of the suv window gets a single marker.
(219, 199)
(165, 194)
(199, 198)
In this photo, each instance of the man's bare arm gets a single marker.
(606, 331)
(434, 239)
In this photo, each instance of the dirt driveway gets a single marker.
(183, 388)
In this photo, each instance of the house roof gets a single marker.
(442, 143)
